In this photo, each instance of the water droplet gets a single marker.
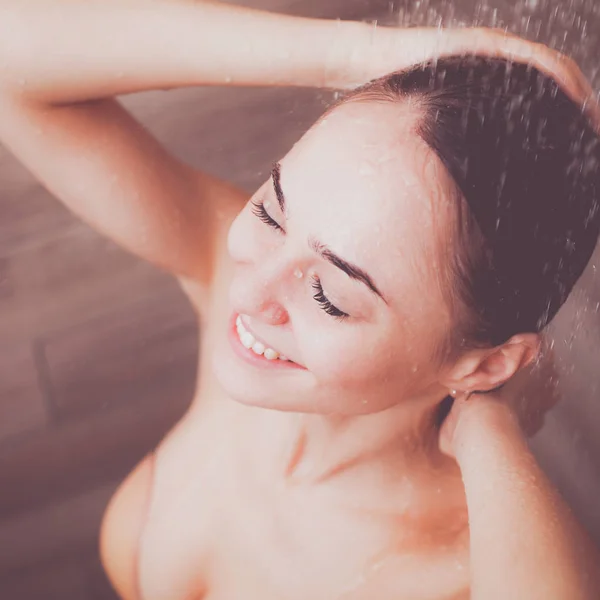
(298, 274)
(365, 170)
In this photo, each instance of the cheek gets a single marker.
(362, 361)
(348, 359)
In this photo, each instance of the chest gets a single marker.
(217, 531)
(293, 553)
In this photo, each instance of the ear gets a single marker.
(486, 369)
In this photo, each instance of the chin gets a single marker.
(252, 387)
(253, 380)
(257, 398)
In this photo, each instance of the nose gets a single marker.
(259, 290)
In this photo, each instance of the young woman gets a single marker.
(408, 249)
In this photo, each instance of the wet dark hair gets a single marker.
(526, 164)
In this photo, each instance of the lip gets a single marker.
(251, 357)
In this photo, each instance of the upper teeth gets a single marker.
(250, 342)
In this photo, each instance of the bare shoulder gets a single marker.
(122, 527)
(223, 202)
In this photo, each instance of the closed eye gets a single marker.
(258, 209)
(324, 302)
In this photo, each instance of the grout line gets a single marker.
(45, 380)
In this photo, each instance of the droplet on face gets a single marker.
(365, 170)
(298, 273)
(384, 157)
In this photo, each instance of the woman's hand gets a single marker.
(398, 49)
(528, 396)
(474, 415)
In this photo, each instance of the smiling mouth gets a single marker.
(251, 343)
(253, 350)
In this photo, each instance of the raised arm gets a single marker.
(62, 61)
(65, 51)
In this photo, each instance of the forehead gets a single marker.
(372, 186)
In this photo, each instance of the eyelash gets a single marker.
(259, 211)
(320, 297)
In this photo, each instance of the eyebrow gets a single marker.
(353, 271)
(276, 176)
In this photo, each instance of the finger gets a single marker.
(553, 64)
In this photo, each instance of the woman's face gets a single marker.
(338, 267)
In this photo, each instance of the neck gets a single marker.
(405, 437)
